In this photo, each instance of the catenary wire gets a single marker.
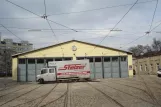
(76, 12)
(23, 8)
(41, 16)
(153, 15)
(54, 34)
(18, 17)
(116, 25)
(100, 8)
(10, 32)
(150, 30)
(45, 6)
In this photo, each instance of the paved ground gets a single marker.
(144, 91)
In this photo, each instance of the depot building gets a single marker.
(105, 62)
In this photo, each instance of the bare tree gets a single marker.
(137, 50)
(156, 45)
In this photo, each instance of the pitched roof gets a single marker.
(71, 41)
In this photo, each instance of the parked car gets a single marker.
(159, 72)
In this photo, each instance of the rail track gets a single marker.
(21, 95)
(12, 92)
(65, 94)
(66, 97)
(128, 94)
(150, 92)
(107, 96)
(34, 99)
(45, 96)
(10, 86)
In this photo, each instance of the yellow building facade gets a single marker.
(147, 65)
(103, 59)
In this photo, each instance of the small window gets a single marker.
(90, 59)
(58, 59)
(51, 70)
(40, 61)
(21, 61)
(31, 61)
(49, 60)
(157, 66)
(136, 67)
(43, 71)
(151, 67)
(107, 59)
(114, 59)
(141, 68)
(66, 59)
(97, 59)
(146, 67)
(123, 58)
(80, 58)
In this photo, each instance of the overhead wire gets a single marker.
(45, 6)
(41, 16)
(116, 24)
(18, 17)
(54, 34)
(10, 31)
(101, 8)
(153, 15)
(23, 8)
(51, 28)
(150, 30)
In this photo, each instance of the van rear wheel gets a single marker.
(41, 81)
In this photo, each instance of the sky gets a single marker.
(91, 26)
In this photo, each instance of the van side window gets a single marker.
(51, 70)
(43, 71)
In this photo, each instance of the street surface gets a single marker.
(139, 91)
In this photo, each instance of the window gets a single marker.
(146, 67)
(157, 66)
(97, 59)
(123, 58)
(141, 68)
(136, 67)
(80, 58)
(58, 59)
(107, 59)
(31, 61)
(43, 71)
(49, 60)
(21, 61)
(66, 59)
(151, 67)
(90, 59)
(114, 59)
(51, 70)
(40, 61)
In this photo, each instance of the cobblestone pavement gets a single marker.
(139, 91)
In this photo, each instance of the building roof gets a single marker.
(150, 54)
(71, 41)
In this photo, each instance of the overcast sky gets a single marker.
(92, 26)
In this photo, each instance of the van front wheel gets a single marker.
(41, 81)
